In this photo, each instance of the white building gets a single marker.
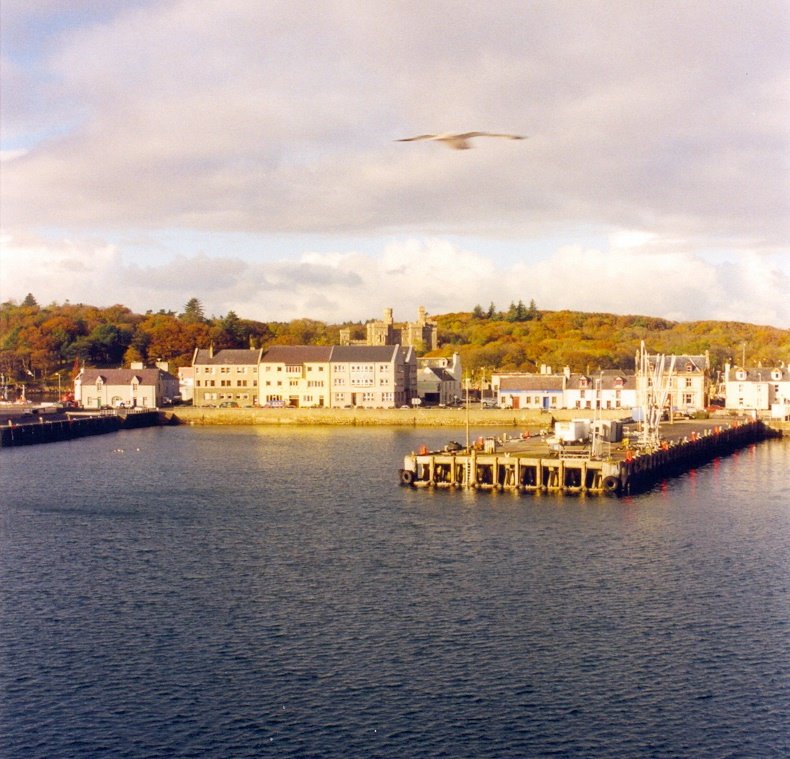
(130, 388)
(382, 376)
(295, 375)
(608, 389)
(759, 389)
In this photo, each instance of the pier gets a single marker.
(529, 465)
(51, 427)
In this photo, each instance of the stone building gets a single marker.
(421, 335)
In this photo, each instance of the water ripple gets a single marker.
(199, 610)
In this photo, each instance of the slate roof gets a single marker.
(762, 374)
(297, 354)
(370, 353)
(124, 376)
(231, 356)
(698, 363)
(439, 372)
(607, 378)
(551, 383)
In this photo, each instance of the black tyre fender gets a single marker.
(407, 477)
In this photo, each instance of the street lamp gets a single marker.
(59, 395)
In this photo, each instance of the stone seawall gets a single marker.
(420, 417)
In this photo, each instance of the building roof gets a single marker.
(438, 372)
(371, 353)
(608, 380)
(541, 382)
(297, 354)
(761, 374)
(89, 376)
(683, 363)
(232, 356)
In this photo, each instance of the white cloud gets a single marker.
(662, 128)
(435, 273)
(267, 118)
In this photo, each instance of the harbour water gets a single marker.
(249, 592)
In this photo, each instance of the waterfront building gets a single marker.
(295, 375)
(529, 391)
(135, 387)
(688, 381)
(383, 376)
(607, 389)
(339, 376)
(757, 389)
(229, 376)
(439, 379)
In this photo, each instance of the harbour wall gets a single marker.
(388, 417)
(53, 428)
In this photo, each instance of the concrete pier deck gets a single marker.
(530, 465)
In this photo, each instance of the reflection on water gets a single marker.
(272, 591)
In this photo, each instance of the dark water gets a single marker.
(267, 592)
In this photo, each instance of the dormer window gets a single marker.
(618, 382)
(740, 374)
(776, 375)
(689, 367)
(583, 382)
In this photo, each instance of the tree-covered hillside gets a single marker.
(37, 342)
(592, 341)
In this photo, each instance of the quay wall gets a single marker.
(419, 417)
(57, 430)
(52, 428)
(547, 471)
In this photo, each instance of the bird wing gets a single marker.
(418, 137)
(468, 135)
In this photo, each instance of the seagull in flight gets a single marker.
(459, 141)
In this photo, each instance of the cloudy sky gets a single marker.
(244, 153)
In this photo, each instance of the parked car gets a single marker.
(228, 404)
